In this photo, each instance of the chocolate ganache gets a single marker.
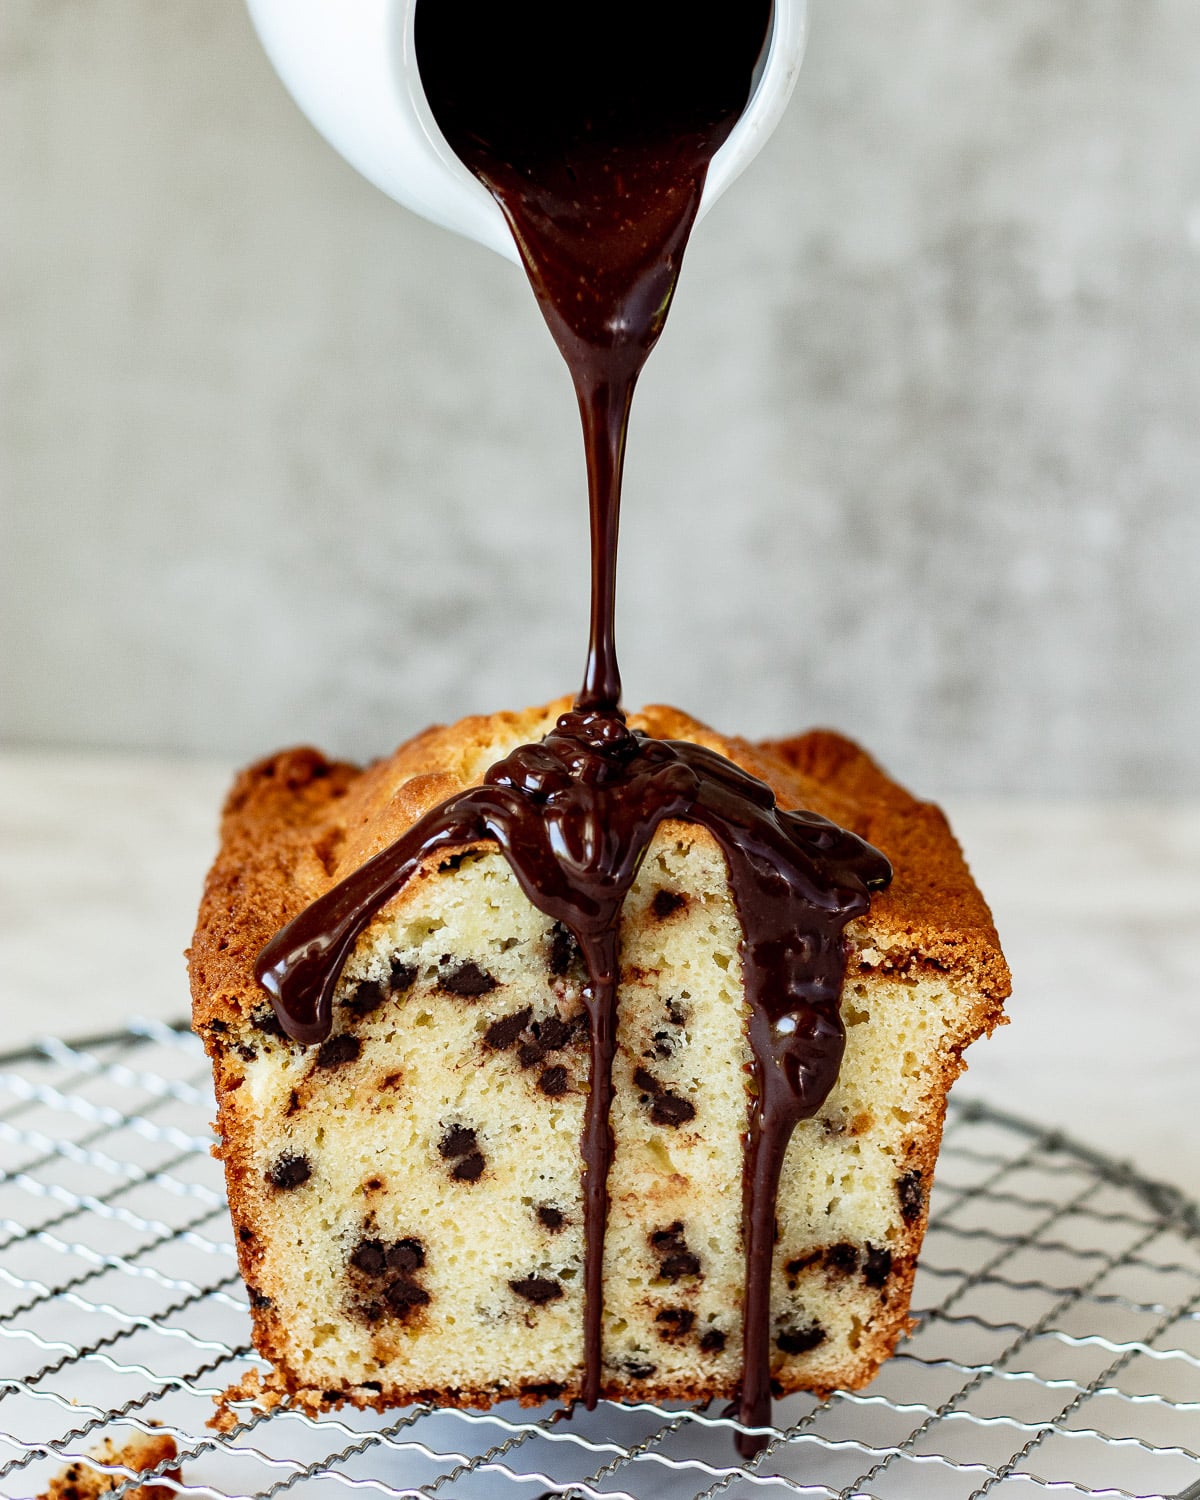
(595, 140)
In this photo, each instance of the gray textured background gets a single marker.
(918, 455)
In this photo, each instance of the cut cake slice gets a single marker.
(407, 1196)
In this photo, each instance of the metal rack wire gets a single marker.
(1058, 1346)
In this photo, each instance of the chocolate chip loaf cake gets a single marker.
(406, 1194)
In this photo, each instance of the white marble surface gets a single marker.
(102, 859)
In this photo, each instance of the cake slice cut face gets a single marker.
(408, 1193)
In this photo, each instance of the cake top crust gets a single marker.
(296, 823)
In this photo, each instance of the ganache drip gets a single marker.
(595, 141)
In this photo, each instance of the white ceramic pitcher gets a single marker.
(351, 66)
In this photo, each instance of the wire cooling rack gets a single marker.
(1058, 1346)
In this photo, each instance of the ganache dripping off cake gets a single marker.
(565, 1055)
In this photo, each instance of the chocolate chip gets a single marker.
(501, 1034)
(677, 1266)
(245, 1234)
(553, 1033)
(293, 1103)
(467, 979)
(671, 1109)
(530, 1054)
(911, 1192)
(369, 1258)
(460, 1145)
(458, 1141)
(402, 977)
(552, 1218)
(712, 1342)
(373, 1184)
(800, 1340)
(675, 1322)
(667, 902)
(371, 1311)
(403, 1295)
(637, 1370)
(801, 1263)
(338, 1050)
(554, 1081)
(470, 1169)
(537, 1289)
(646, 1081)
(258, 1299)
(367, 998)
(663, 1047)
(676, 1013)
(220, 1027)
(265, 1020)
(677, 1261)
(564, 950)
(289, 1171)
(246, 1053)
(877, 1266)
(842, 1258)
(406, 1255)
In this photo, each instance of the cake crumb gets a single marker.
(143, 1451)
(264, 1395)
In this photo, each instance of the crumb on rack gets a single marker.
(142, 1452)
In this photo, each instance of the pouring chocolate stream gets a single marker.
(596, 144)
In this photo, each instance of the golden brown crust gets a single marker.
(932, 913)
(295, 823)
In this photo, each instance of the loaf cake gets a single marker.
(406, 1195)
